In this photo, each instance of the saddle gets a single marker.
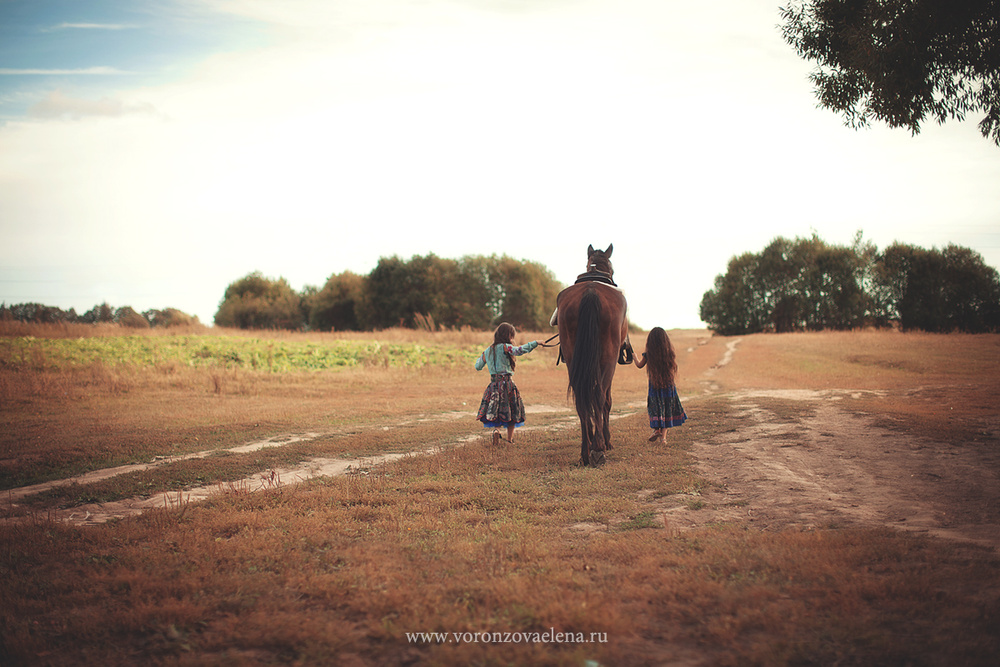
(595, 277)
(625, 354)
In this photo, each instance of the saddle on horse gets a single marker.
(625, 354)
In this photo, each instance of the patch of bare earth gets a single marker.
(833, 466)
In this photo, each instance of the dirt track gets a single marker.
(832, 466)
(826, 466)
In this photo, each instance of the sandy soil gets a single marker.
(828, 466)
(837, 467)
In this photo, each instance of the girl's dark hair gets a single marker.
(505, 334)
(660, 358)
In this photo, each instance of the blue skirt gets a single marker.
(501, 404)
(664, 407)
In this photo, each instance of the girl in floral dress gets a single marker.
(501, 405)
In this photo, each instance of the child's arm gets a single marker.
(639, 363)
(524, 349)
(481, 361)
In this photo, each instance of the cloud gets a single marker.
(57, 105)
(63, 72)
(92, 26)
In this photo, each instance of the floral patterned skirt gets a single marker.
(664, 407)
(501, 404)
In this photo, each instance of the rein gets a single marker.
(546, 343)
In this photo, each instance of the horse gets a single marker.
(593, 331)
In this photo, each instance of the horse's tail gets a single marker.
(585, 371)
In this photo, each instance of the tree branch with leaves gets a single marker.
(902, 62)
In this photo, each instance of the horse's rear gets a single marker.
(592, 329)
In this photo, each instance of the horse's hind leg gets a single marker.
(597, 442)
(586, 437)
(607, 421)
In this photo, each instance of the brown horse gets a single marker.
(592, 330)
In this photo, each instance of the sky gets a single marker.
(152, 153)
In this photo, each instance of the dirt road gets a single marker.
(826, 465)
(833, 466)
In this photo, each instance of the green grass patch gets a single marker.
(199, 351)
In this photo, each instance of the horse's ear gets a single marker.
(590, 250)
(607, 253)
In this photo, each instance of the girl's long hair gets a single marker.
(505, 334)
(661, 361)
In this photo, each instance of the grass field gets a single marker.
(512, 555)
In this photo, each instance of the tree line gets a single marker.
(806, 284)
(803, 284)
(426, 292)
(124, 316)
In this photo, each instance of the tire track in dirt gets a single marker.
(98, 513)
(107, 473)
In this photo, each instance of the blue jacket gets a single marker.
(497, 361)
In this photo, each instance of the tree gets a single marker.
(256, 302)
(338, 306)
(902, 61)
(127, 317)
(98, 314)
(475, 291)
(169, 317)
(394, 294)
(36, 312)
(480, 293)
(527, 292)
(729, 309)
(939, 290)
(791, 286)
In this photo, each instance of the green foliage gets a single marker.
(98, 314)
(339, 305)
(941, 290)
(528, 293)
(807, 284)
(124, 316)
(256, 302)
(901, 61)
(36, 312)
(169, 317)
(275, 356)
(127, 317)
(429, 291)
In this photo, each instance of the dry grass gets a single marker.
(474, 539)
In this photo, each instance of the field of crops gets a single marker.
(203, 351)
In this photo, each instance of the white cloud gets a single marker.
(93, 26)
(86, 71)
(58, 105)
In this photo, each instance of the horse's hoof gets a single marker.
(596, 458)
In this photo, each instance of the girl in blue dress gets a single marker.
(662, 403)
(502, 405)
